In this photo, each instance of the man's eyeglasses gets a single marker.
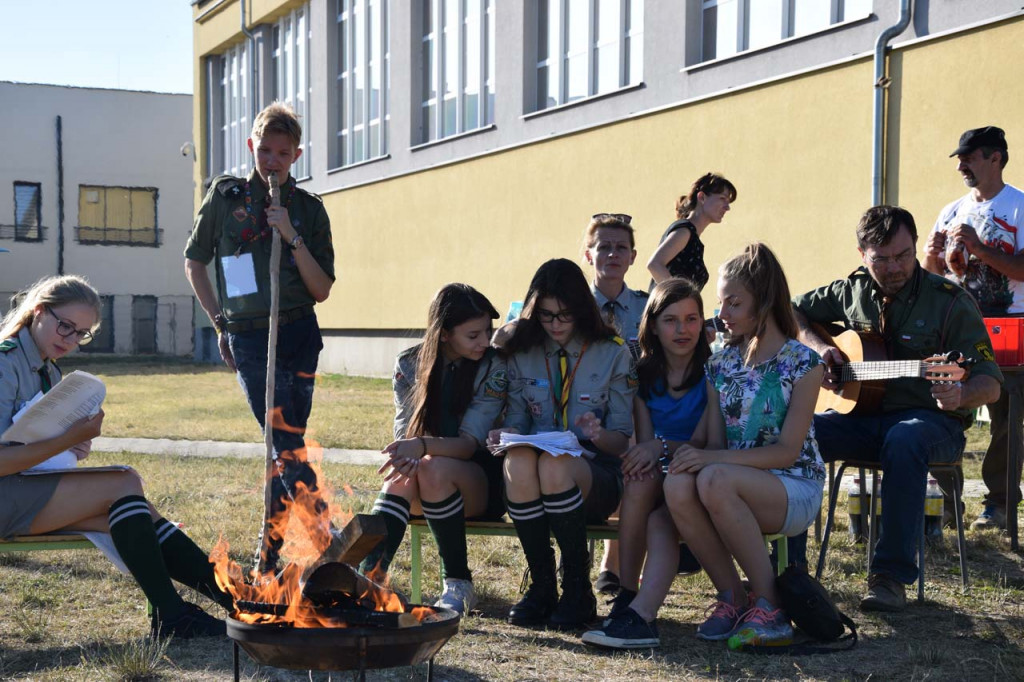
(621, 217)
(899, 259)
(548, 316)
(65, 329)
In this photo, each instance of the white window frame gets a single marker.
(558, 63)
(787, 23)
(375, 58)
(228, 107)
(436, 41)
(290, 68)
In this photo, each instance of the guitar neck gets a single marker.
(887, 369)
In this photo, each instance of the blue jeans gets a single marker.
(904, 442)
(298, 351)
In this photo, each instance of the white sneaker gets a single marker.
(458, 595)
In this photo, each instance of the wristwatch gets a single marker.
(296, 242)
(220, 323)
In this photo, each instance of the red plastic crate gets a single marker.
(1007, 339)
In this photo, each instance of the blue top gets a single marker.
(677, 418)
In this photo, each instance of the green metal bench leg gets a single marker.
(416, 561)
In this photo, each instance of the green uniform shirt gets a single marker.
(223, 225)
(930, 315)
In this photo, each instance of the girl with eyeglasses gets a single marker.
(567, 370)
(681, 252)
(46, 322)
(769, 478)
(449, 392)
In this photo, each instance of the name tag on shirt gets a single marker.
(239, 275)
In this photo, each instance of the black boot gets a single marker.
(577, 606)
(539, 601)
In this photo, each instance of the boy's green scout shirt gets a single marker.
(604, 384)
(21, 369)
(490, 390)
(229, 219)
(929, 316)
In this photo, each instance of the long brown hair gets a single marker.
(653, 365)
(758, 270)
(453, 305)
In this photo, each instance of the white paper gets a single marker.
(239, 275)
(78, 395)
(554, 443)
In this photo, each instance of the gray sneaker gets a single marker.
(458, 595)
(723, 619)
(884, 594)
(992, 518)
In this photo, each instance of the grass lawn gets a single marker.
(70, 616)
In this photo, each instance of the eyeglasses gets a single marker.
(621, 217)
(65, 329)
(899, 259)
(548, 316)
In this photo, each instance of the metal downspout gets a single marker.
(881, 84)
(252, 64)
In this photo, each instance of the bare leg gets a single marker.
(440, 477)
(81, 501)
(638, 500)
(660, 567)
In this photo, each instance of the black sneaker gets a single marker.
(607, 583)
(626, 630)
(191, 622)
(536, 605)
(621, 601)
(576, 607)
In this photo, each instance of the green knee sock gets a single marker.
(188, 564)
(395, 512)
(447, 521)
(134, 536)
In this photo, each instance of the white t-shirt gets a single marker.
(998, 222)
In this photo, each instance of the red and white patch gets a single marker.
(239, 214)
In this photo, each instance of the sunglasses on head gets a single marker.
(621, 217)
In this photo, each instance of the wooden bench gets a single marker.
(418, 528)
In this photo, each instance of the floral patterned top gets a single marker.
(755, 400)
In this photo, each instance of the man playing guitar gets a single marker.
(918, 314)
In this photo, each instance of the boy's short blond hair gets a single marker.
(278, 117)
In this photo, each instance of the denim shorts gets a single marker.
(803, 502)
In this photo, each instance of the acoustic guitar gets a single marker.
(866, 369)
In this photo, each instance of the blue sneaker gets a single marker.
(762, 625)
(625, 630)
(991, 518)
(723, 619)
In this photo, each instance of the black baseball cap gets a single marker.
(989, 136)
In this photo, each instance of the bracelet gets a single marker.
(296, 242)
(423, 444)
(664, 445)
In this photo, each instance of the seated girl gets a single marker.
(46, 323)
(770, 478)
(668, 410)
(449, 391)
(567, 371)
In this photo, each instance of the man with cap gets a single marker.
(977, 241)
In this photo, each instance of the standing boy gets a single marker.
(233, 229)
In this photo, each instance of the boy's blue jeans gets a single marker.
(298, 352)
(904, 442)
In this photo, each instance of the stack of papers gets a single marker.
(552, 442)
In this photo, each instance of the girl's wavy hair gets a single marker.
(758, 270)
(50, 292)
(709, 183)
(562, 279)
(653, 364)
(453, 305)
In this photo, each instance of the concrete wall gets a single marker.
(110, 138)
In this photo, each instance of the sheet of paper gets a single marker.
(78, 395)
(62, 460)
(76, 470)
(239, 275)
(554, 443)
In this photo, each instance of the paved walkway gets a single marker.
(210, 448)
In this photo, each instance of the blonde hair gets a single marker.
(758, 270)
(278, 117)
(51, 292)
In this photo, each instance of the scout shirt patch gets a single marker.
(239, 214)
(985, 350)
(496, 385)
(633, 378)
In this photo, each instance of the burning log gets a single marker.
(351, 544)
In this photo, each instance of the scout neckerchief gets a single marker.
(564, 383)
(44, 376)
(449, 421)
(249, 235)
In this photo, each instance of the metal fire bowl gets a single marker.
(284, 646)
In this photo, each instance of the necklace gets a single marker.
(250, 235)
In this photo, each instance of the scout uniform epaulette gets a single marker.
(228, 186)
(8, 345)
(617, 339)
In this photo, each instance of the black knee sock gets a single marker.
(535, 536)
(134, 535)
(447, 521)
(395, 512)
(568, 525)
(188, 564)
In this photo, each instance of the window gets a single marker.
(117, 215)
(362, 81)
(731, 26)
(144, 325)
(290, 64)
(103, 338)
(227, 113)
(28, 209)
(458, 52)
(587, 47)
